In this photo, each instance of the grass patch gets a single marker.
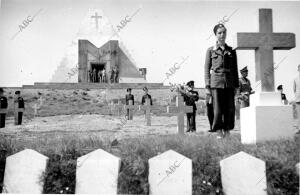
(205, 152)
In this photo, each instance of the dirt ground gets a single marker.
(105, 125)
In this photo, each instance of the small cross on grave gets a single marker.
(130, 107)
(147, 107)
(181, 109)
(96, 19)
(264, 42)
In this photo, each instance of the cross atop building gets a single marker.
(264, 42)
(96, 19)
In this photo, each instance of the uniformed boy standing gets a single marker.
(146, 96)
(3, 105)
(128, 97)
(18, 104)
(190, 97)
(283, 96)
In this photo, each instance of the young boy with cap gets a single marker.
(18, 103)
(129, 97)
(190, 98)
(283, 97)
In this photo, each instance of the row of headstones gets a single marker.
(169, 173)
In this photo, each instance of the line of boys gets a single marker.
(18, 105)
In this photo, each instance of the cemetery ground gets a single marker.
(73, 123)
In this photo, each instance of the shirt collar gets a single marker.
(217, 46)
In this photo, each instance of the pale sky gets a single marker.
(157, 37)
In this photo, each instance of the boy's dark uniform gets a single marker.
(127, 98)
(19, 103)
(3, 105)
(190, 101)
(146, 96)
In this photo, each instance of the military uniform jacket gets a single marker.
(245, 85)
(190, 101)
(129, 97)
(145, 97)
(221, 68)
(3, 102)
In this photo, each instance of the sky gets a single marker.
(161, 34)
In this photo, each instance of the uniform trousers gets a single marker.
(224, 108)
(2, 120)
(191, 121)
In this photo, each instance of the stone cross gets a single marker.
(264, 42)
(96, 19)
(97, 173)
(130, 107)
(23, 172)
(147, 108)
(244, 174)
(170, 173)
(181, 109)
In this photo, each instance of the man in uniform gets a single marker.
(283, 97)
(190, 97)
(3, 105)
(244, 89)
(18, 104)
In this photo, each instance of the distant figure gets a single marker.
(18, 103)
(90, 76)
(283, 97)
(103, 76)
(112, 76)
(3, 105)
(100, 76)
(128, 97)
(190, 97)
(146, 96)
(94, 75)
(116, 75)
(296, 89)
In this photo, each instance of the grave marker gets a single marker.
(23, 172)
(130, 107)
(97, 173)
(170, 173)
(244, 174)
(181, 109)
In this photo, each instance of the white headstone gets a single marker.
(170, 173)
(97, 173)
(23, 172)
(243, 174)
(298, 168)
